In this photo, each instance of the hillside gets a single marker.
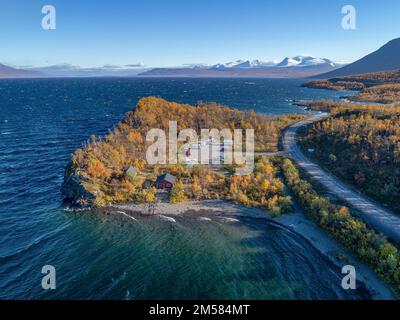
(384, 59)
(360, 144)
(382, 87)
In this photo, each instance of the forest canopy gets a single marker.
(382, 87)
(360, 144)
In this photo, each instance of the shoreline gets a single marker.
(296, 222)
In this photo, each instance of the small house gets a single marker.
(131, 172)
(165, 181)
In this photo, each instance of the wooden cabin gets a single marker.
(165, 181)
(131, 173)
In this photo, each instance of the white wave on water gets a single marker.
(126, 215)
(205, 219)
(167, 218)
(70, 209)
(226, 219)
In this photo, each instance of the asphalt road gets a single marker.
(379, 218)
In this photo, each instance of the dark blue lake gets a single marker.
(42, 122)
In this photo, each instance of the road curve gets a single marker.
(380, 219)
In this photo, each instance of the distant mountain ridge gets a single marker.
(69, 70)
(386, 58)
(301, 66)
(10, 72)
(289, 67)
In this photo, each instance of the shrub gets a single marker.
(177, 194)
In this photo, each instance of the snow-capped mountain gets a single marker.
(305, 61)
(301, 66)
(297, 61)
(244, 64)
(256, 64)
(232, 64)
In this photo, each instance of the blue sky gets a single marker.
(175, 32)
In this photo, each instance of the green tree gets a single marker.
(285, 203)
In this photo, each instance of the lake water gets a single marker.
(43, 121)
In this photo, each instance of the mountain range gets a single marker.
(108, 70)
(69, 70)
(298, 66)
(289, 67)
(303, 66)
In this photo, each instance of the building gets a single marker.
(131, 172)
(165, 181)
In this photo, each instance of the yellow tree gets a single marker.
(177, 194)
